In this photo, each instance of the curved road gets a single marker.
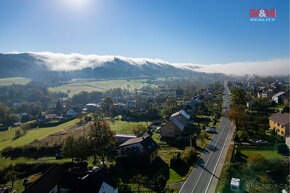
(200, 177)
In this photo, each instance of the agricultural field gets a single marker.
(7, 138)
(14, 80)
(75, 86)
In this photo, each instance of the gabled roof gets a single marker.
(278, 94)
(185, 114)
(146, 141)
(177, 123)
(47, 181)
(281, 118)
(93, 181)
(180, 119)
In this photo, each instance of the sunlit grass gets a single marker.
(7, 137)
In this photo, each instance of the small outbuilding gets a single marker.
(235, 185)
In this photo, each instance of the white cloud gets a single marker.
(74, 61)
(271, 67)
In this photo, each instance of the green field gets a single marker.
(14, 80)
(77, 85)
(7, 137)
(125, 127)
(269, 152)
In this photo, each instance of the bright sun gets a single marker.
(78, 4)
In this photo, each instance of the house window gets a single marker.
(278, 130)
(282, 132)
(278, 124)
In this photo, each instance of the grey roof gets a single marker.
(146, 141)
(278, 94)
(177, 123)
(281, 118)
(180, 119)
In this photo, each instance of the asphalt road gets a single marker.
(200, 177)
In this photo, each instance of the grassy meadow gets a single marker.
(77, 85)
(14, 80)
(7, 137)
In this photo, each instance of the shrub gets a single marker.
(160, 183)
(282, 148)
(188, 155)
(257, 162)
(18, 133)
(29, 125)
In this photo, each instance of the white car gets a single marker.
(260, 141)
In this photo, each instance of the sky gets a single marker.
(185, 31)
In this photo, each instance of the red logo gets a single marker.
(261, 13)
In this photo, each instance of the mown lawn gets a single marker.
(269, 152)
(7, 137)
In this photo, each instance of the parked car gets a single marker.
(260, 141)
(211, 130)
(59, 155)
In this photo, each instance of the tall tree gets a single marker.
(69, 148)
(238, 96)
(102, 139)
(58, 108)
(160, 183)
(238, 115)
(11, 175)
(108, 106)
(82, 148)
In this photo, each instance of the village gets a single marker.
(158, 135)
(153, 145)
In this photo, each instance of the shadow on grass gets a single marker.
(148, 171)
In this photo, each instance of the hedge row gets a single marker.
(30, 151)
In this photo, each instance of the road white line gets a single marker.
(194, 167)
(217, 163)
(206, 163)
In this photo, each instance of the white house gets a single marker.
(73, 112)
(279, 97)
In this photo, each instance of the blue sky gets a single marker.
(203, 32)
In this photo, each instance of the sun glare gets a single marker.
(78, 4)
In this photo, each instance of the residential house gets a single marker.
(77, 180)
(267, 95)
(122, 138)
(279, 97)
(120, 107)
(191, 106)
(47, 117)
(143, 146)
(175, 125)
(48, 182)
(91, 107)
(131, 103)
(73, 112)
(280, 123)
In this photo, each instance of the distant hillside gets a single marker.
(52, 67)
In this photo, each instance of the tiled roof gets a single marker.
(281, 118)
